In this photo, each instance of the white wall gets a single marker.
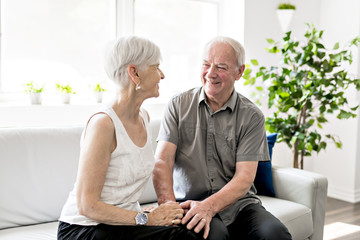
(340, 21)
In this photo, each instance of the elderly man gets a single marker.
(209, 145)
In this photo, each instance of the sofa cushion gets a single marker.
(45, 231)
(296, 217)
(38, 170)
(263, 180)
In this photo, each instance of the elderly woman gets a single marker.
(116, 158)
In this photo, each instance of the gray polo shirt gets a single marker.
(210, 143)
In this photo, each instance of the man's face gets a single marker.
(220, 71)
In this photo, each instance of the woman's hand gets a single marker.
(169, 213)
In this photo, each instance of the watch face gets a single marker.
(141, 219)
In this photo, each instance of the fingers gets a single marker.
(200, 225)
(176, 221)
(197, 220)
(186, 204)
(206, 230)
(179, 216)
(149, 209)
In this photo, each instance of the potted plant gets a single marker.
(304, 89)
(66, 92)
(34, 92)
(98, 91)
(285, 12)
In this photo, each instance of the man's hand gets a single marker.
(199, 214)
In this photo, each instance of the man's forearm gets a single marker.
(238, 187)
(227, 196)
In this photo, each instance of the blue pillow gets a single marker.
(263, 179)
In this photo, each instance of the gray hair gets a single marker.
(129, 50)
(238, 48)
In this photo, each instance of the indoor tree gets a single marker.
(306, 86)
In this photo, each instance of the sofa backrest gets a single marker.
(38, 168)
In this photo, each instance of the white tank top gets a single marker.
(129, 170)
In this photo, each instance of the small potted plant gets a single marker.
(34, 92)
(66, 91)
(285, 12)
(98, 91)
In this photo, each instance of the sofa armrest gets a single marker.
(306, 188)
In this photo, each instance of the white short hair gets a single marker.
(238, 48)
(129, 50)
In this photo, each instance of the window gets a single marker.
(62, 41)
(180, 28)
(51, 41)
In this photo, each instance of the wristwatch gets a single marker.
(141, 218)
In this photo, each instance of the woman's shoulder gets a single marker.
(101, 121)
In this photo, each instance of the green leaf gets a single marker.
(254, 62)
(321, 119)
(284, 94)
(259, 88)
(247, 71)
(309, 147)
(344, 115)
(311, 122)
(252, 80)
(336, 46)
(338, 144)
(355, 108)
(269, 40)
(308, 84)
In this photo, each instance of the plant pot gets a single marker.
(35, 98)
(66, 97)
(98, 96)
(285, 16)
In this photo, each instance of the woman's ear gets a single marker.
(133, 73)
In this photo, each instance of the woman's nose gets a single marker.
(162, 75)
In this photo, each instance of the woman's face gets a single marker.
(150, 79)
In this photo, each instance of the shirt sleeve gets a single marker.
(253, 143)
(169, 124)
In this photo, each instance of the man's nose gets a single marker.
(211, 72)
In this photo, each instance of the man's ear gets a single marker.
(240, 72)
(133, 73)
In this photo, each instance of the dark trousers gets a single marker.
(109, 232)
(253, 222)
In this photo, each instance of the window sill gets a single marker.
(18, 112)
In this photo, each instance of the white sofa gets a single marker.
(38, 168)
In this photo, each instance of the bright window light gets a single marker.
(180, 28)
(50, 41)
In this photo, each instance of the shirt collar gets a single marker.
(229, 104)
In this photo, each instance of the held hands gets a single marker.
(169, 213)
(199, 214)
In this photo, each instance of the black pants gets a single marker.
(253, 222)
(109, 232)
